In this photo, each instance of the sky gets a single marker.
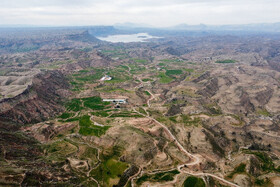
(159, 13)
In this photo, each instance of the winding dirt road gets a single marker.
(195, 159)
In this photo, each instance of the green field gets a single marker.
(239, 169)
(110, 167)
(72, 119)
(161, 64)
(109, 89)
(100, 113)
(126, 114)
(119, 75)
(193, 182)
(136, 69)
(225, 61)
(74, 105)
(88, 75)
(138, 60)
(66, 115)
(174, 72)
(95, 103)
(158, 177)
(147, 80)
(164, 79)
(89, 129)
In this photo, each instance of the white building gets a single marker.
(106, 78)
(117, 101)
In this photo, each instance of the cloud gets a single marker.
(156, 12)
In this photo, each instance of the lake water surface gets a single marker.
(126, 38)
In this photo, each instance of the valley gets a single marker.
(176, 110)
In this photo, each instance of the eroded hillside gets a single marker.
(170, 112)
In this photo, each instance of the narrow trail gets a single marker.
(98, 158)
(151, 98)
(195, 159)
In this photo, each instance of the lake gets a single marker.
(127, 38)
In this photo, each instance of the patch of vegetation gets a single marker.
(109, 51)
(90, 154)
(136, 69)
(86, 49)
(141, 110)
(193, 182)
(119, 75)
(124, 67)
(77, 86)
(95, 103)
(189, 70)
(90, 76)
(237, 118)
(72, 119)
(239, 169)
(263, 182)
(66, 115)
(59, 136)
(228, 61)
(100, 113)
(164, 79)
(147, 93)
(267, 163)
(174, 72)
(158, 177)
(58, 151)
(138, 60)
(126, 114)
(263, 112)
(74, 105)
(110, 167)
(109, 89)
(213, 108)
(84, 71)
(173, 119)
(161, 64)
(161, 119)
(186, 119)
(147, 80)
(89, 129)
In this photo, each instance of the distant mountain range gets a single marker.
(262, 27)
(130, 28)
(258, 27)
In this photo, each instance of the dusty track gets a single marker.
(195, 159)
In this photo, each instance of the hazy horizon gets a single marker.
(155, 14)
